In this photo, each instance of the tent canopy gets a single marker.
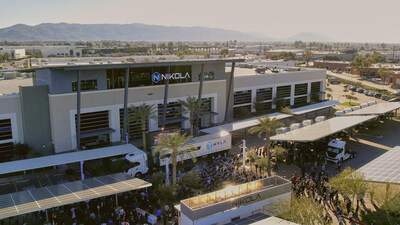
(65, 158)
(242, 124)
(322, 129)
(62, 194)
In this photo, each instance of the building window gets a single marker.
(283, 91)
(315, 87)
(134, 128)
(242, 112)
(242, 97)
(85, 85)
(264, 94)
(205, 121)
(5, 129)
(174, 111)
(208, 76)
(6, 152)
(300, 101)
(300, 89)
(94, 121)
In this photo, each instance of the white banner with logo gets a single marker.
(208, 147)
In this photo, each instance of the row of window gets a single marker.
(5, 129)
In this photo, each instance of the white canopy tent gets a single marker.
(65, 158)
(378, 109)
(322, 129)
(242, 124)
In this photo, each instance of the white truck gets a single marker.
(337, 151)
(136, 163)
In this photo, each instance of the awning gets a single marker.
(314, 107)
(65, 158)
(78, 191)
(378, 109)
(385, 168)
(229, 127)
(95, 133)
(322, 129)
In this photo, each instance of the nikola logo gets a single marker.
(209, 145)
(156, 77)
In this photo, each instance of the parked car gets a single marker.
(394, 100)
(385, 97)
(345, 86)
(349, 87)
(371, 93)
(353, 88)
(366, 92)
(360, 90)
(377, 95)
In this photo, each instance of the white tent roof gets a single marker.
(65, 158)
(385, 168)
(37, 199)
(377, 109)
(314, 107)
(234, 126)
(321, 129)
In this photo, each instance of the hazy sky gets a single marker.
(340, 20)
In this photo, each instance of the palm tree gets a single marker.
(174, 146)
(266, 127)
(141, 114)
(263, 164)
(192, 105)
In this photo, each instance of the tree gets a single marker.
(181, 54)
(21, 150)
(174, 146)
(384, 73)
(262, 163)
(377, 57)
(141, 114)
(331, 58)
(252, 156)
(386, 198)
(299, 210)
(190, 179)
(307, 55)
(351, 97)
(224, 52)
(192, 105)
(167, 193)
(287, 110)
(350, 182)
(279, 153)
(361, 64)
(265, 129)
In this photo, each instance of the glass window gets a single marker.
(85, 85)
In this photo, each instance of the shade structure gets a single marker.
(65, 158)
(378, 109)
(53, 196)
(385, 168)
(314, 107)
(242, 124)
(322, 129)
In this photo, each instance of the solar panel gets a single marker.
(377, 109)
(385, 168)
(52, 196)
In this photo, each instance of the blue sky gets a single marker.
(341, 20)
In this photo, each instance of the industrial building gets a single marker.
(47, 115)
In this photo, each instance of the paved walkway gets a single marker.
(356, 78)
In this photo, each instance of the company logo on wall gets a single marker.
(209, 145)
(157, 77)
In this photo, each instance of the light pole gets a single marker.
(244, 155)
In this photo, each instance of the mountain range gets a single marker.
(134, 32)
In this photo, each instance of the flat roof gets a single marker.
(385, 168)
(322, 129)
(261, 219)
(314, 107)
(377, 109)
(134, 65)
(241, 124)
(37, 199)
(65, 158)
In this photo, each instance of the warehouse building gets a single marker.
(47, 115)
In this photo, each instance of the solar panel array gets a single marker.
(377, 109)
(52, 196)
(385, 168)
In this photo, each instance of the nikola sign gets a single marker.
(246, 200)
(157, 77)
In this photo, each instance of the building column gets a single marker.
(201, 76)
(274, 89)
(229, 98)
(308, 92)
(292, 94)
(125, 135)
(253, 99)
(78, 110)
(164, 115)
